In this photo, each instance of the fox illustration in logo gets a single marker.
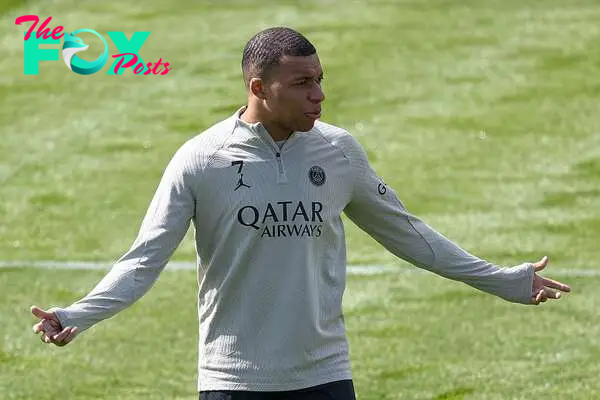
(73, 45)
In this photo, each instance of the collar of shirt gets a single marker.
(259, 129)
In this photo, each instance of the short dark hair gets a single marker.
(265, 49)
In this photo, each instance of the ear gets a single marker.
(257, 88)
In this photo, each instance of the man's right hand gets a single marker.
(51, 329)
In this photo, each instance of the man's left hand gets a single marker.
(544, 289)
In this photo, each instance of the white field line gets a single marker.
(362, 269)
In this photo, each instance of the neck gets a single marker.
(252, 115)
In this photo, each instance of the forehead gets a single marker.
(300, 65)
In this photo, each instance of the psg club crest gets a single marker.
(316, 175)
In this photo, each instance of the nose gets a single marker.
(316, 95)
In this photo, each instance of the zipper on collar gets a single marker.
(281, 176)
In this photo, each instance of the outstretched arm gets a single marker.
(376, 209)
(164, 226)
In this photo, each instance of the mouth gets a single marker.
(314, 115)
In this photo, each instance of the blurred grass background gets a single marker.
(483, 115)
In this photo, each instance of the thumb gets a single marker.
(38, 312)
(540, 265)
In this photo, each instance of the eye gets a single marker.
(308, 81)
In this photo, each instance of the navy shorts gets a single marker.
(340, 390)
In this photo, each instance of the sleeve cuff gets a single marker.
(62, 317)
(525, 273)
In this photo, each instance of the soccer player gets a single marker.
(265, 190)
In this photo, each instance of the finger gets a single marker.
(50, 327)
(38, 312)
(44, 338)
(540, 265)
(537, 298)
(555, 285)
(47, 330)
(59, 337)
(37, 328)
(541, 297)
(552, 294)
(70, 336)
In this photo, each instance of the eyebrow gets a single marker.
(301, 77)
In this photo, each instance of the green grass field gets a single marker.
(483, 115)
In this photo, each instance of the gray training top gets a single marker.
(271, 252)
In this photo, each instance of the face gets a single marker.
(293, 94)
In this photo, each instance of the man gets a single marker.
(265, 190)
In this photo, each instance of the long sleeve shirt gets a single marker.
(271, 252)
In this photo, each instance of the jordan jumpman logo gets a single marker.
(241, 180)
(241, 183)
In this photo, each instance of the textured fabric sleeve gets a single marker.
(376, 209)
(164, 226)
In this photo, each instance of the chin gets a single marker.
(305, 127)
